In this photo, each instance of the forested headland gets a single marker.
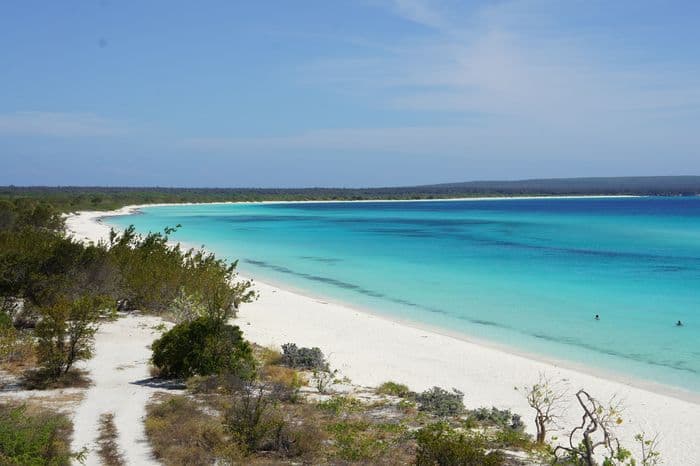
(73, 198)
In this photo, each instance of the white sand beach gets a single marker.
(370, 349)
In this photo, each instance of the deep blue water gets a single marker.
(526, 273)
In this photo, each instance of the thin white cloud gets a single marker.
(514, 88)
(57, 124)
(419, 11)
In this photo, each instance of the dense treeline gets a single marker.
(55, 292)
(59, 289)
(67, 199)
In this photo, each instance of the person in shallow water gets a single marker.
(597, 317)
(679, 324)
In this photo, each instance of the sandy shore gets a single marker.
(371, 349)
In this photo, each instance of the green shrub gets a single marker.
(394, 389)
(512, 438)
(440, 445)
(341, 405)
(34, 437)
(5, 320)
(203, 346)
(66, 332)
(356, 441)
(156, 274)
(503, 418)
(440, 402)
(303, 358)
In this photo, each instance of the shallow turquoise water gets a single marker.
(529, 274)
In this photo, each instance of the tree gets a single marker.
(595, 431)
(66, 332)
(156, 273)
(203, 346)
(547, 399)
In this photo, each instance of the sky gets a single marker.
(346, 93)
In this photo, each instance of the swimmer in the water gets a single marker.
(679, 324)
(597, 317)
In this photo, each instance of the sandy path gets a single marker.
(119, 365)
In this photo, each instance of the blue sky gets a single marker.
(346, 93)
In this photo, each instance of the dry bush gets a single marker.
(267, 355)
(394, 389)
(17, 350)
(284, 375)
(39, 380)
(107, 442)
(180, 432)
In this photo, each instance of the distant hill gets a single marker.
(69, 198)
(639, 185)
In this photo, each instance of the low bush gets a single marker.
(512, 438)
(341, 405)
(286, 382)
(354, 441)
(503, 418)
(203, 346)
(394, 389)
(17, 349)
(179, 432)
(252, 419)
(438, 444)
(34, 437)
(66, 332)
(440, 402)
(303, 358)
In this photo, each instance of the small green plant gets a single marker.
(303, 358)
(438, 444)
(160, 328)
(440, 402)
(503, 418)
(323, 380)
(35, 437)
(649, 449)
(356, 441)
(394, 389)
(341, 405)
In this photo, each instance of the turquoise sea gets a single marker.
(528, 274)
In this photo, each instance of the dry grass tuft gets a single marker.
(107, 442)
(285, 376)
(39, 380)
(180, 432)
(267, 355)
